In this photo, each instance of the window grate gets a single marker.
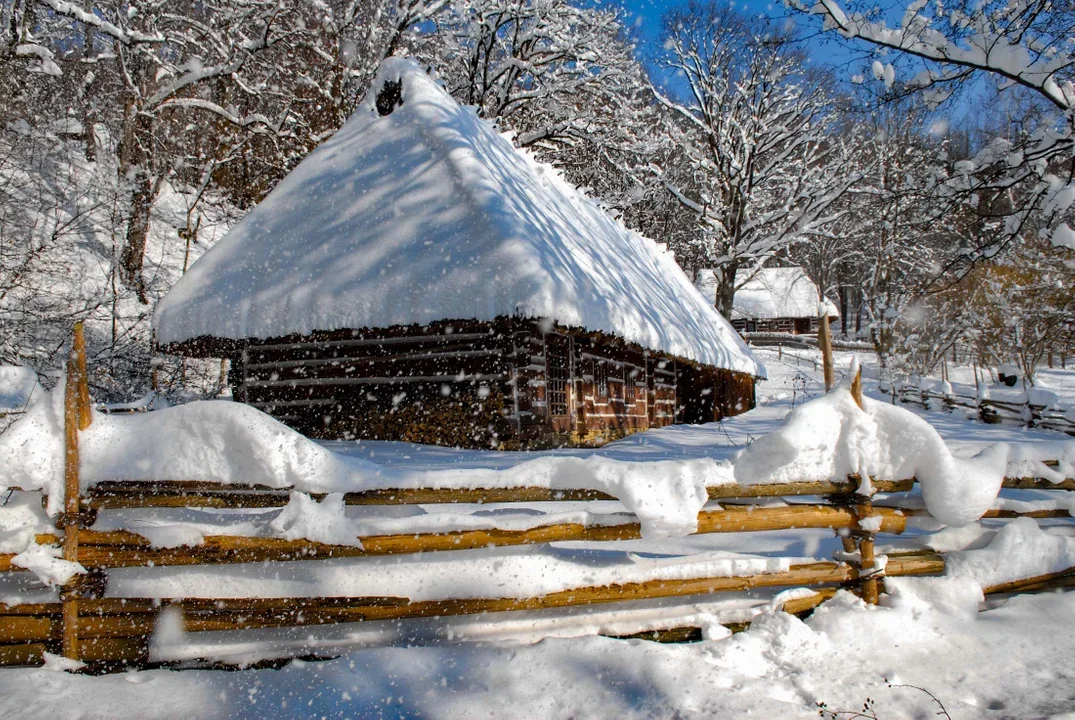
(557, 374)
(600, 378)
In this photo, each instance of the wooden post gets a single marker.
(824, 341)
(83, 386)
(871, 587)
(69, 519)
(856, 385)
(863, 510)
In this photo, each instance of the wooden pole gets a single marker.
(864, 509)
(69, 519)
(824, 341)
(871, 587)
(82, 383)
(856, 385)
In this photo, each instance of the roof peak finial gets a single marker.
(389, 97)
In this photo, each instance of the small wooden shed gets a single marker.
(775, 300)
(418, 278)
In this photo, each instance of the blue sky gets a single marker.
(647, 15)
(824, 48)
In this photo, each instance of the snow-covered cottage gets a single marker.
(418, 278)
(778, 299)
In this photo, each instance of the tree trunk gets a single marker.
(725, 277)
(134, 249)
(858, 314)
(136, 159)
(843, 309)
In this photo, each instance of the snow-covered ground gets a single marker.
(1010, 660)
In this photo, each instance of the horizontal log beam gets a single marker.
(361, 360)
(182, 493)
(992, 514)
(366, 342)
(212, 615)
(1063, 578)
(393, 380)
(115, 549)
(198, 494)
(123, 637)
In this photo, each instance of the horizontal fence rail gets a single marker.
(183, 493)
(118, 629)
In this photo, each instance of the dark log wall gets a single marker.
(509, 384)
(708, 394)
(446, 384)
(793, 326)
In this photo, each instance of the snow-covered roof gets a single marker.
(427, 214)
(784, 292)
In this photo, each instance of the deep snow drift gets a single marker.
(928, 633)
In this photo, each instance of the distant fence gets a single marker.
(764, 339)
(989, 410)
(110, 633)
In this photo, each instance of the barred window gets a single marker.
(600, 378)
(629, 385)
(557, 373)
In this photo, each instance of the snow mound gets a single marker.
(45, 562)
(665, 495)
(831, 437)
(324, 522)
(1028, 460)
(232, 443)
(1020, 550)
(214, 440)
(426, 214)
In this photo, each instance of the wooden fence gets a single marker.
(989, 410)
(768, 339)
(108, 632)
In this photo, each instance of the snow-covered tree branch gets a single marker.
(1024, 176)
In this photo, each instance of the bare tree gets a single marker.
(764, 169)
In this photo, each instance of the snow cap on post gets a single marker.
(428, 213)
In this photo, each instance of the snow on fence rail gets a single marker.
(86, 625)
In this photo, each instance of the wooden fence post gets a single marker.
(76, 416)
(79, 352)
(871, 586)
(69, 518)
(871, 583)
